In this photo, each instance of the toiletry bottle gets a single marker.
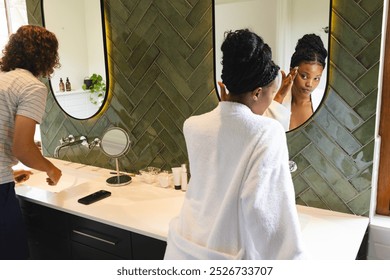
(62, 86)
(176, 171)
(68, 87)
(184, 178)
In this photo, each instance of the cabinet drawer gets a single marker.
(147, 248)
(45, 219)
(101, 237)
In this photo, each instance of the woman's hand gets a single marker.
(54, 175)
(21, 176)
(287, 82)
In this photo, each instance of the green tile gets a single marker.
(203, 48)
(346, 61)
(362, 181)
(174, 95)
(324, 168)
(345, 114)
(183, 7)
(366, 132)
(302, 163)
(297, 143)
(348, 37)
(337, 131)
(360, 205)
(338, 157)
(370, 55)
(179, 82)
(181, 45)
(181, 64)
(371, 6)
(326, 194)
(140, 11)
(368, 82)
(173, 16)
(310, 198)
(350, 12)
(344, 87)
(115, 9)
(197, 13)
(367, 107)
(146, 62)
(364, 157)
(372, 28)
(300, 185)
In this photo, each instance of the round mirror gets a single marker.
(115, 143)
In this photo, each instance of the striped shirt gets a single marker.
(21, 93)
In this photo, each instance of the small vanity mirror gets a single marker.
(80, 30)
(115, 143)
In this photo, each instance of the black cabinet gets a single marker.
(56, 235)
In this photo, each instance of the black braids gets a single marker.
(309, 48)
(247, 62)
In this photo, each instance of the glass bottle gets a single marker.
(62, 86)
(67, 84)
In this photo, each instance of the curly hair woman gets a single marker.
(240, 202)
(31, 53)
(299, 95)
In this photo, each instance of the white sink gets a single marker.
(72, 175)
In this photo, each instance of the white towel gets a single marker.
(240, 201)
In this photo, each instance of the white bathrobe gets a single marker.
(240, 202)
(282, 112)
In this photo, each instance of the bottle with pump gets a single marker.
(62, 86)
(67, 85)
(184, 177)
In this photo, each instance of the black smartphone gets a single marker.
(93, 197)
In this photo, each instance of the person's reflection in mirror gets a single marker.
(299, 96)
(240, 202)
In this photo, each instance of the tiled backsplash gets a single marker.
(161, 72)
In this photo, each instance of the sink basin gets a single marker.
(71, 177)
(38, 179)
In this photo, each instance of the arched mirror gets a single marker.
(280, 23)
(115, 143)
(80, 29)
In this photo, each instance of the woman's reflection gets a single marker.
(299, 96)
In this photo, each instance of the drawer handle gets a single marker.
(95, 237)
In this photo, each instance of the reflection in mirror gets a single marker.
(115, 143)
(280, 23)
(80, 30)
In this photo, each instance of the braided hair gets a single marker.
(247, 62)
(309, 48)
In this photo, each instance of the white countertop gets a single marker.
(147, 209)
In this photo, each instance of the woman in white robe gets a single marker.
(299, 96)
(240, 202)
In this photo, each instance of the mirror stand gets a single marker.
(119, 179)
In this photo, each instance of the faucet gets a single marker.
(70, 141)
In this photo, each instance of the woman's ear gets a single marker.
(256, 93)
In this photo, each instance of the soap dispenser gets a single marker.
(62, 86)
(68, 87)
(184, 177)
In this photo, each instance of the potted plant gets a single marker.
(96, 87)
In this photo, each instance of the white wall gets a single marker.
(77, 26)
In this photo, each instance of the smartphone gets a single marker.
(93, 197)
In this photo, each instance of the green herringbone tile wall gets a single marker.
(161, 72)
